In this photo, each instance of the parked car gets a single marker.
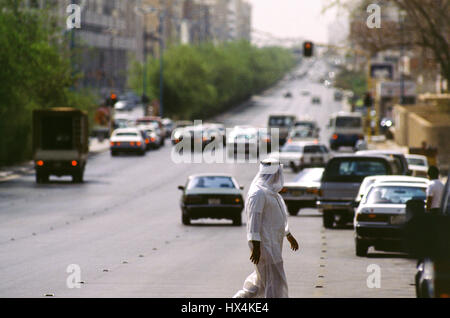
(380, 217)
(341, 181)
(216, 196)
(399, 158)
(127, 140)
(154, 120)
(433, 272)
(303, 191)
(368, 181)
(417, 164)
(300, 155)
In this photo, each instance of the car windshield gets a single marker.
(245, 136)
(416, 162)
(348, 122)
(280, 121)
(211, 182)
(354, 170)
(291, 148)
(310, 175)
(305, 124)
(313, 149)
(301, 133)
(122, 134)
(394, 194)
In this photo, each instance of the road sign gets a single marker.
(382, 70)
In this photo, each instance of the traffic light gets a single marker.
(113, 99)
(308, 49)
(368, 100)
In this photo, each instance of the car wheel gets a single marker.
(113, 153)
(77, 177)
(186, 220)
(237, 220)
(328, 219)
(142, 153)
(293, 167)
(293, 209)
(41, 177)
(361, 248)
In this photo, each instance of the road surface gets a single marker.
(122, 227)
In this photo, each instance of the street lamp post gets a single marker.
(402, 54)
(161, 15)
(161, 64)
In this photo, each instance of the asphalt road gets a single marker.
(122, 227)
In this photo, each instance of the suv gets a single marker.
(340, 184)
(345, 129)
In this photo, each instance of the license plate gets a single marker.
(316, 159)
(213, 201)
(296, 193)
(398, 219)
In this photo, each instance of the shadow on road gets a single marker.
(388, 255)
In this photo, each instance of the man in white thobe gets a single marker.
(267, 226)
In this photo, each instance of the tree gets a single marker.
(426, 25)
(35, 73)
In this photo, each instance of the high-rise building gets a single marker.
(108, 37)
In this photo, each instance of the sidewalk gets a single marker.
(16, 171)
(380, 142)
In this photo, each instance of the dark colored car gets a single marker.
(433, 271)
(399, 159)
(341, 181)
(215, 196)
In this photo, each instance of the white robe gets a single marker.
(267, 223)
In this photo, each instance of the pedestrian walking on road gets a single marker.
(434, 191)
(267, 225)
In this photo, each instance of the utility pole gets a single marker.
(161, 64)
(402, 54)
(161, 15)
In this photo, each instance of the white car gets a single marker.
(368, 181)
(381, 215)
(299, 155)
(303, 192)
(243, 140)
(127, 140)
(123, 105)
(301, 134)
(418, 164)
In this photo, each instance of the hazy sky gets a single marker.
(293, 18)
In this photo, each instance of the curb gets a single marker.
(28, 167)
